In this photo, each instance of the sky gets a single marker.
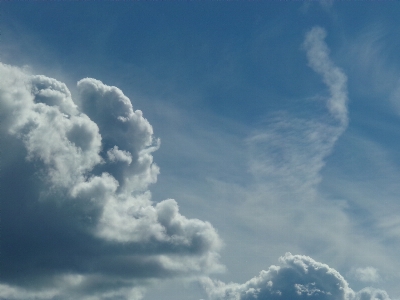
(206, 150)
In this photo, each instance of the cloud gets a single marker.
(286, 158)
(297, 277)
(368, 274)
(291, 151)
(371, 294)
(78, 219)
(77, 216)
(334, 78)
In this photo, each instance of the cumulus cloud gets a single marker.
(77, 216)
(297, 277)
(115, 154)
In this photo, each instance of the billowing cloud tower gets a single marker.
(76, 211)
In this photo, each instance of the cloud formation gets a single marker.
(287, 157)
(77, 216)
(297, 277)
(290, 151)
(318, 59)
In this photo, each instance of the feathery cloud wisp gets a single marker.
(291, 150)
(287, 158)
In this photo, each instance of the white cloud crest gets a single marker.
(297, 277)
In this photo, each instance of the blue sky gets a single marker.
(272, 125)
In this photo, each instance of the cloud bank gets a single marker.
(77, 216)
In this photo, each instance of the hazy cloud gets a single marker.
(368, 274)
(115, 154)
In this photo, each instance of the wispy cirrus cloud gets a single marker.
(292, 150)
(286, 159)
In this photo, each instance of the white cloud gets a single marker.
(96, 162)
(115, 154)
(53, 93)
(85, 208)
(372, 294)
(291, 150)
(297, 277)
(124, 128)
(334, 78)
